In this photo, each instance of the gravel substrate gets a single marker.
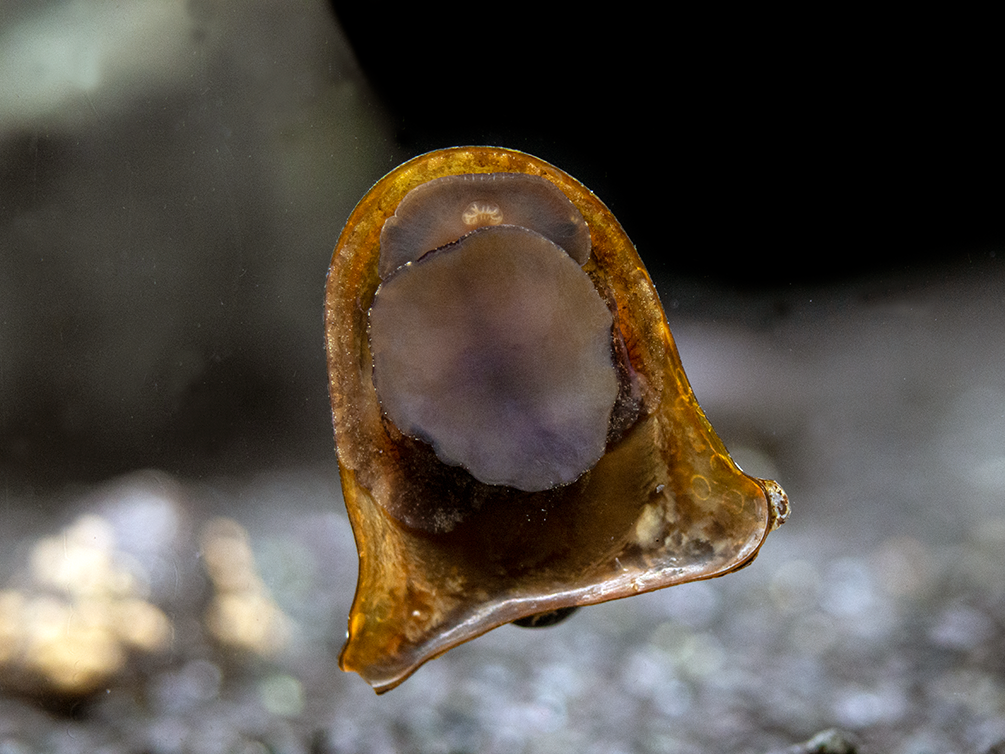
(876, 609)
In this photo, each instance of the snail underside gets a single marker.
(515, 433)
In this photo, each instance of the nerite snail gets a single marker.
(515, 432)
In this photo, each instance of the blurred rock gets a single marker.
(81, 606)
(832, 741)
(173, 178)
(241, 613)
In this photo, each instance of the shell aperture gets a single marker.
(497, 351)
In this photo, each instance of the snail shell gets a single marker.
(514, 430)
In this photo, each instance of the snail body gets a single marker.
(515, 432)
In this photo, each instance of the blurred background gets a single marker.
(819, 201)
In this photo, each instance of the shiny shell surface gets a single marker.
(447, 550)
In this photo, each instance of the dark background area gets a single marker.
(752, 149)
